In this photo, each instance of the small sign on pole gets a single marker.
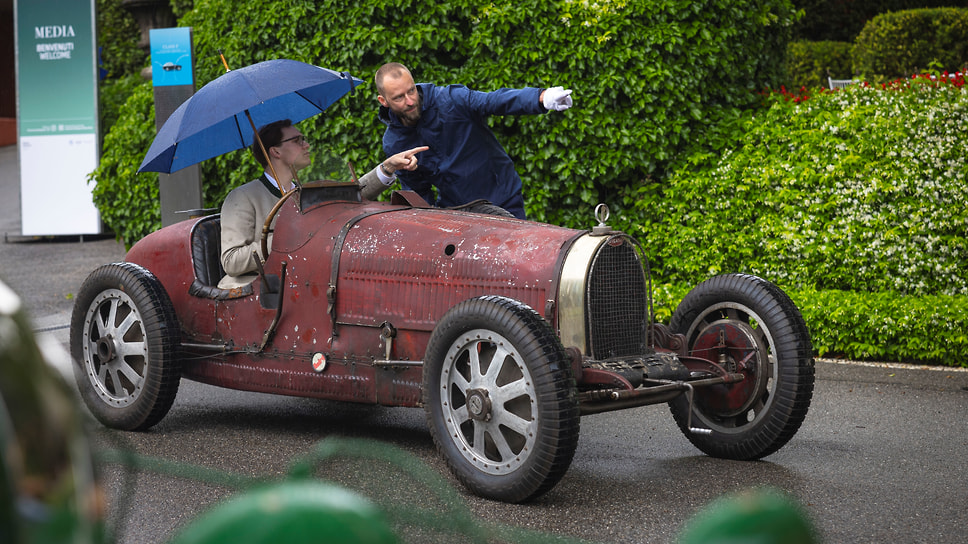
(173, 80)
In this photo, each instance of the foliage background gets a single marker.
(890, 45)
(843, 20)
(840, 199)
(855, 201)
(809, 64)
(117, 37)
(650, 78)
(932, 38)
(120, 59)
(868, 185)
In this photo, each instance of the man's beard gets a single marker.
(411, 117)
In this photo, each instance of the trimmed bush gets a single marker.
(134, 208)
(860, 191)
(886, 326)
(809, 64)
(842, 20)
(899, 44)
(112, 95)
(882, 326)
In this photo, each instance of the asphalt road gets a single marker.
(880, 458)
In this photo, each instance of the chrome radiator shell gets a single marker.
(604, 300)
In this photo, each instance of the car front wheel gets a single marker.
(124, 342)
(748, 326)
(501, 399)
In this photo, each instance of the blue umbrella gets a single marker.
(222, 115)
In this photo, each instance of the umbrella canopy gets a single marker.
(215, 120)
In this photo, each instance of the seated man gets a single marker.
(246, 207)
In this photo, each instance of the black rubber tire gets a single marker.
(527, 444)
(487, 208)
(770, 405)
(123, 307)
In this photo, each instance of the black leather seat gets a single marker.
(207, 262)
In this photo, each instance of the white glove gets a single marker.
(557, 99)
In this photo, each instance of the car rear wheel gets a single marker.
(500, 398)
(124, 342)
(748, 326)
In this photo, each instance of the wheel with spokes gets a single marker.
(500, 398)
(124, 342)
(748, 326)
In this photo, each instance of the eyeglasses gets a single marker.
(300, 140)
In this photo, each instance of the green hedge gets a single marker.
(883, 326)
(836, 199)
(862, 189)
(809, 64)
(650, 80)
(886, 326)
(842, 20)
(902, 43)
(858, 191)
(117, 40)
(112, 96)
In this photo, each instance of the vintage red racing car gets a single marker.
(504, 331)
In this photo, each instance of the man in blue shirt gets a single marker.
(465, 162)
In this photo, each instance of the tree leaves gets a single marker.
(651, 81)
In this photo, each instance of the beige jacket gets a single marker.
(243, 214)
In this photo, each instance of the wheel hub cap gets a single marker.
(734, 347)
(479, 405)
(105, 348)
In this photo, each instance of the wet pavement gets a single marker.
(46, 271)
(880, 457)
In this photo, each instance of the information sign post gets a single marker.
(173, 80)
(57, 116)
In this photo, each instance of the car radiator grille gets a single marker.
(618, 301)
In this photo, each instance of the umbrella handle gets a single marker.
(223, 61)
(295, 177)
(262, 146)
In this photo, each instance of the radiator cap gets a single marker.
(601, 215)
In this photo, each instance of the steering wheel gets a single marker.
(264, 241)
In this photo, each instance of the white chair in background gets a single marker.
(840, 83)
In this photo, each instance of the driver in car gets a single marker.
(246, 207)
